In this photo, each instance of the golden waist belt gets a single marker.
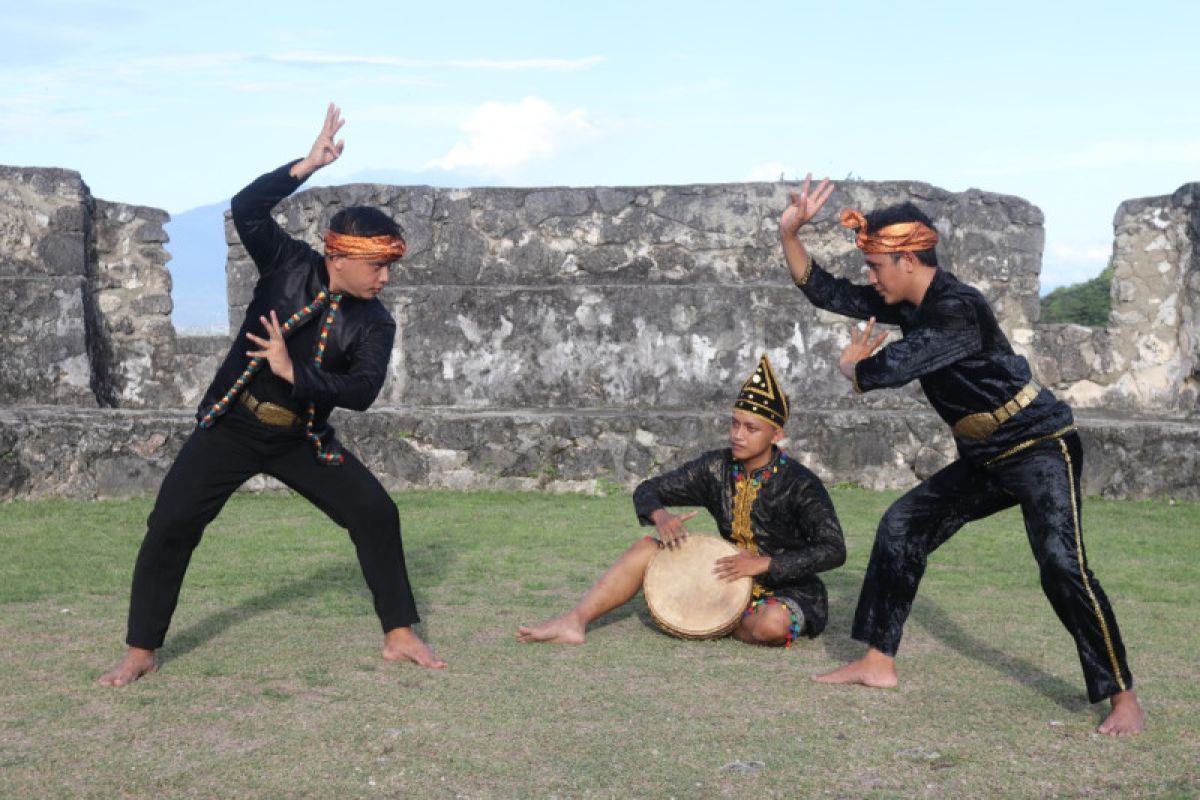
(271, 414)
(984, 424)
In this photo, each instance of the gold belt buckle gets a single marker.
(269, 413)
(976, 426)
(985, 423)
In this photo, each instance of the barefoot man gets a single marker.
(774, 509)
(1016, 441)
(315, 336)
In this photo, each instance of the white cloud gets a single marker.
(501, 137)
(770, 171)
(509, 65)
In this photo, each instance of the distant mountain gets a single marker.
(197, 249)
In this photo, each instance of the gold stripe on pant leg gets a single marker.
(1112, 656)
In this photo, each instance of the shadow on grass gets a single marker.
(843, 598)
(632, 608)
(430, 563)
(338, 576)
(931, 617)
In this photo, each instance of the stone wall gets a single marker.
(635, 298)
(45, 303)
(85, 296)
(1147, 359)
(56, 451)
(569, 339)
(133, 294)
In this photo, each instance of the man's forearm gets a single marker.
(797, 258)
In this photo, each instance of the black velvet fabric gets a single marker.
(1044, 480)
(953, 345)
(291, 274)
(792, 521)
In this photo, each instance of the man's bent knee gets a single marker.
(769, 626)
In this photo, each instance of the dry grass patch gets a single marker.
(272, 685)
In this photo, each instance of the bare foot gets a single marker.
(1126, 717)
(564, 629)
(136, 663)
(874, 669)
(403, 644)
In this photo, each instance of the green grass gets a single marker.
(271, 683)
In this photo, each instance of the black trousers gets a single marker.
(212, 464)
(1044, 480)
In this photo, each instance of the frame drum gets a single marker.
(684, 596)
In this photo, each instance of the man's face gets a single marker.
(887, 274)
(751, 437)
(360, 277)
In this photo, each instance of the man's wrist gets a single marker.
(302, 170)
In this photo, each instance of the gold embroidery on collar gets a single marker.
(744, 494)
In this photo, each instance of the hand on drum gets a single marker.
(671, 530)
(742, 565)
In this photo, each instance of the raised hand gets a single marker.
(861, 346)
(804, 205)
(326, 149)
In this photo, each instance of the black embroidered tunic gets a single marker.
(953, 345)
(1025, 453)
(788, 517)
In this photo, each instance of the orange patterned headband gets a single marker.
(902, 237)
(372, 248)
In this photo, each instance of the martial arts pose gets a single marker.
(774, 509)
(315, 336)
(1016, 441)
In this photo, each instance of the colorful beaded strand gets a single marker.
(793, 629)
(328, 457)
(762, 475)
(295, 320)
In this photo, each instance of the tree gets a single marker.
(1087, 303)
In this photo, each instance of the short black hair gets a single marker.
(364, 221)
(903, 212)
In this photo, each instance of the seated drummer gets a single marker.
(774, 509)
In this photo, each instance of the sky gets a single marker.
(1074, 106)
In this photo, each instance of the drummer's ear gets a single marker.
(777, 436)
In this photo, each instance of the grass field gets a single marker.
(271, 683)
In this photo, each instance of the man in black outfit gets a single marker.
(267, 409)
(771, 506)
(1016, 441)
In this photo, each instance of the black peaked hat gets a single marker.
(762, 396)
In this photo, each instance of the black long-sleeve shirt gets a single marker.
(291, 274)
(792, 520)
(953, 345)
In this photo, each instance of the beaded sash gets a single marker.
(326, 455)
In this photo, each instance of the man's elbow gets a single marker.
(838, 555)
(361, 399)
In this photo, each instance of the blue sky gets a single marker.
(1074, 106)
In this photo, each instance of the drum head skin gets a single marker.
(684, 596)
